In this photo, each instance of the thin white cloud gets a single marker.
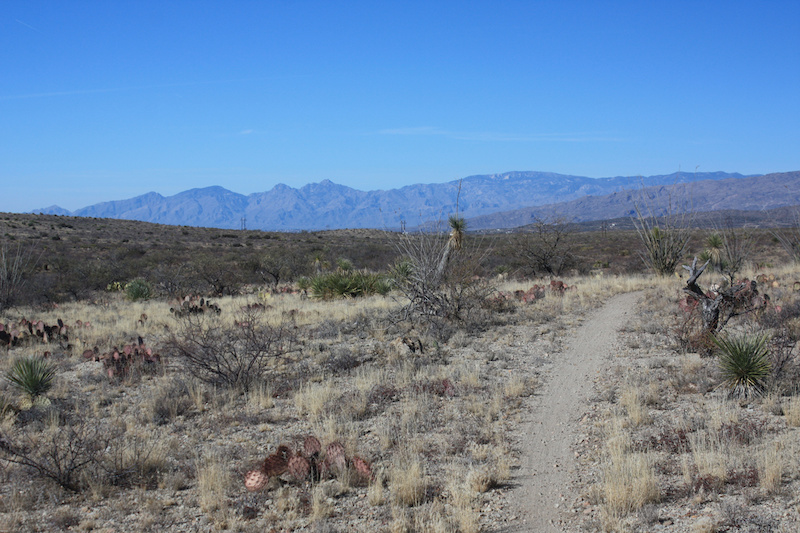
(490, 136)
(27, 25)
(246, 132)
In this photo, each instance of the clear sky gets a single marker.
(106, 100)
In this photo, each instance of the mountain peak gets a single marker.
(328, 205)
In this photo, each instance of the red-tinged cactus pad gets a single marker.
(274, 465)
(255, 480)
(363, 468)
(334, 454)
(299, 467)
(311, 446)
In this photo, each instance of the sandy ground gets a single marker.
(543, 483)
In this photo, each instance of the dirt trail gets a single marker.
(550, 429)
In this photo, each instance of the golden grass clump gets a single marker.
(631, 399)
(315, 399)
(407, 482)
(629, 480)
(213, 482)
(792, 412)
(771, 467)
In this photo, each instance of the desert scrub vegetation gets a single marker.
(238, 378)
(712, 433)
(429, 407)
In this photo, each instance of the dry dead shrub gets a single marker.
(236, 354)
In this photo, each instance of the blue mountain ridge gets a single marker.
(327, 205)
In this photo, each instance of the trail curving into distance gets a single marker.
(544, 479)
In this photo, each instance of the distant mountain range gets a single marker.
(487, 201)
(756, 193)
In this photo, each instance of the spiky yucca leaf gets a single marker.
(32, 376)
(744, 364)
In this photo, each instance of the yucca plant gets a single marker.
(32, 376)
(744, 364)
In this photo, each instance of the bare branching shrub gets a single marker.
(63, 453)
(664, 232)
(440, 277)
(789, 239)
(548, 249)
(237, 354)
(15, 266)
(728, 249)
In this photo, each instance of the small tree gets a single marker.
(281, 265)
(549, 248)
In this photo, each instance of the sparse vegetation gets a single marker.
(418, 402)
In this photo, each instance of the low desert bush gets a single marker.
(138, 289)
(236, 354)
(64, 453)
(347, 284)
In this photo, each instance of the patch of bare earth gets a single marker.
(544, 495)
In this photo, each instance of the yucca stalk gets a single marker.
(744, 364)
(32, 376)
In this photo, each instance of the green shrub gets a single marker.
(347, 284)
(304, 283)
(138, 289)
(32, 376)
(744, 364)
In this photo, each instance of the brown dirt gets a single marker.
(550, 428)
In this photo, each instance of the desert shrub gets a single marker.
(664, 237)
(347, 284)
(235, 354)
(15, 267)
(549, 249)
(32, 376)
(441, 279)
(64, 454)
(744, 364)
(138, 289)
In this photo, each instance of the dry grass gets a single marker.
(629, 481)
(792, 411)
(433, 424)
(407, 482)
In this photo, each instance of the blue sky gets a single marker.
(108, 100)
